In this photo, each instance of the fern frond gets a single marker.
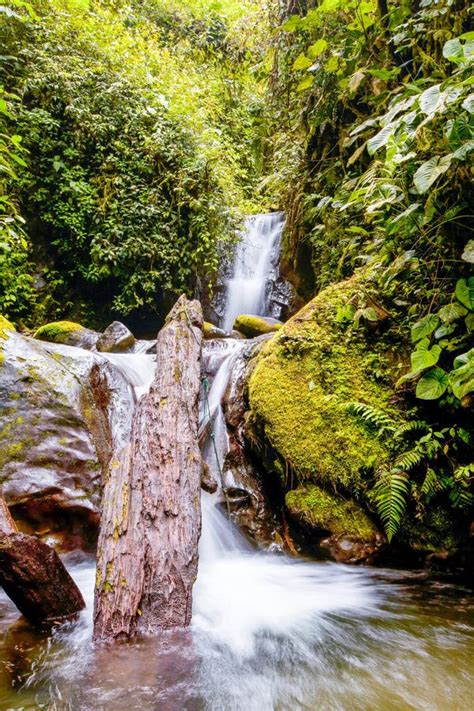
(391, 492)
(461, 499)
(409, 460)
(412, 426)
(372, 416)
(431, 484)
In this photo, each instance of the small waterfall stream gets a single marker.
(248, 289)
(269, 633)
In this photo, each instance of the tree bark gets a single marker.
(33, 576)
(151, 514)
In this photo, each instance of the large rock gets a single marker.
(299, 391)
(64, 411)
(252, 326)
(340, 527)
(68, 333)
(116, 338)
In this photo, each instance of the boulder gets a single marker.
(64, 413)
(116, 338)
(211, 331)
(252, 326)
(68, 333)
(300, 388)
(340, 527)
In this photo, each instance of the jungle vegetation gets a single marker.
(135, 136)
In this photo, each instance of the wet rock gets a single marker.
(211, 331)
(64, 413)
(251, 508)
(68, 333)
(353, 537)
(116, 338)
(208, 481)
(252, 326)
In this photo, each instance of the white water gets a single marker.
(256, 253)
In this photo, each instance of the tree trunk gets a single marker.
(151, 514)
(33, 576)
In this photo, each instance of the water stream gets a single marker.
(269, 633)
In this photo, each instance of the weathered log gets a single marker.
(33, 576)
(151, 515)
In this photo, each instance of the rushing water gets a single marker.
(269, 633)
(257, 254)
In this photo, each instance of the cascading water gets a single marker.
(257, 256)
(269, 633)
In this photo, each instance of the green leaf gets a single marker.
(453, 51)
(469, 321)
(430, 99)
(462, 376)
(332, 64)
(291, 24)
(302, 62)
(317, 48)
(430, 171)
(463, 151)
(424, 357)
(424, 327)
(380, 139)
(432, 384)
(465, 292)
(451, 312)
(305, 84)
(468, 104)
(468, 254)
(445, 330)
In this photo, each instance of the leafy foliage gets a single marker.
(141, 126)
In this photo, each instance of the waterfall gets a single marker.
(248, 290)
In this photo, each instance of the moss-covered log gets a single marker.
(151, 517)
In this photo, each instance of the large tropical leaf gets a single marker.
(424, 327)
(430, 171)
(465, 292)
(432, 384)
(462, 377)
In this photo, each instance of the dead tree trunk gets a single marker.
(151, 514)
(33, 576)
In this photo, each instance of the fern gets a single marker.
(430, 485)
(461, 499)
(372, 416)
(412, 426)
(411, 459)
(391, 492)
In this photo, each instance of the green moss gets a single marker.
(57, 332)
(252, 326)
(324, 511)
(211, 331)
(299, 390)
(5, 327)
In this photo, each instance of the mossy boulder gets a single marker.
(210, 331)
(340, 528)
(252, 326)
(321, 511)
(67, 333)
(116, 338)
(300, 388)
(5, 327)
